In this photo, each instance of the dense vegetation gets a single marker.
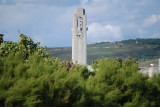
(31, 77)
(143, 49)
(150, 41)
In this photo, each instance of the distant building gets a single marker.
(154, 69)
(79, 37)
(149, 70)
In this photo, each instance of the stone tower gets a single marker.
(79, 37)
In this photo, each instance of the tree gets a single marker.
(30, 77)
(1, 38)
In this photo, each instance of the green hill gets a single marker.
(143, 49)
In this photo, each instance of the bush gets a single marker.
(31, 77)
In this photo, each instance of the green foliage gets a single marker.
(122, 85)
(30, 77)
(1, 38)
(150, 41)
(24, 47)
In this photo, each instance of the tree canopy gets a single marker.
(31, 77)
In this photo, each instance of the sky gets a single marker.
(50, 21)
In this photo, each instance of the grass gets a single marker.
(144, 52)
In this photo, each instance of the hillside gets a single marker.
(143, 49)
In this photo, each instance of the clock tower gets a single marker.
(79, 37)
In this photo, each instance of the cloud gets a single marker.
(50, 23)
(42, 2)
(152, 20)
(27, 0)
(156, 35)
(84, 2)
(51, 20)
(98, 32)
(142, 32)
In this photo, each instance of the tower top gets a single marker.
(79, 11)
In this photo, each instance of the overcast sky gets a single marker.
(49, 21)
